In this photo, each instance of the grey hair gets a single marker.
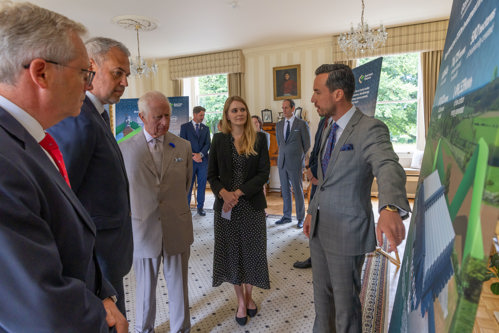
(28, 32)
(145, 99)
(97, 48)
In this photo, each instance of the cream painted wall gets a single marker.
(309, 54)
(258, 75)
(259, 81)
(137, 87)
(259, 63)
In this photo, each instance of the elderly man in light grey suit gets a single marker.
(293, 139)
(340, 221)
(159, 168)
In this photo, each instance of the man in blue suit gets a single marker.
(50, 279)
(95, 164)
(198, 135)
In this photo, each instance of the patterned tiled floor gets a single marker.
(286, 307)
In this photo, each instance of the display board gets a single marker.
(128, 122)
(457, 203)
(367, 78)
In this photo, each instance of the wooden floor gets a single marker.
(485, 321)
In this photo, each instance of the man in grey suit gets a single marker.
(293, 139)
(159, 167)
(94, 162)
(340, 221)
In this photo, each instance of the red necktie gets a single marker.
(48, 143)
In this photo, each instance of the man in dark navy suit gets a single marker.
(312, 169)
(198, 135)
(95, 164)
(50, 279)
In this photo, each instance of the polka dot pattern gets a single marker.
(241, 242)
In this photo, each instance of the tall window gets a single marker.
(210, 92)
(397, 104)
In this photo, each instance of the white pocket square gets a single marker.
(178, 159)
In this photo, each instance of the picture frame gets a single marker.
(287, 82)
(267, 116)
(298, 112)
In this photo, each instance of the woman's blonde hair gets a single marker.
(249, 134)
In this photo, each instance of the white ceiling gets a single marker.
(187, 27)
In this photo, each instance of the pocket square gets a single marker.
(178, 159)
(347, 146)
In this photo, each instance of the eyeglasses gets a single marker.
(88, 75)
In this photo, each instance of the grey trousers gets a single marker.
(287, 180)
(336, 287)
(175, 269)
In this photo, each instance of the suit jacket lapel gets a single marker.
(341, 141)
(293, 128)
(34, 150)
(168, 154)
(280, 131)
(227, 148)
(107, 130)
(141, 146)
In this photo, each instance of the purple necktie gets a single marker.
(197, 129)
(329, 148)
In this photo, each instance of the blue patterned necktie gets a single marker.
(329, 148)
(288, 129)
(197, 129)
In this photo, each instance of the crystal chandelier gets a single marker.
(138, 66)
(363, 40)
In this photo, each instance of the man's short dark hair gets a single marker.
(291, 102)
(198, 109)
(339, 77)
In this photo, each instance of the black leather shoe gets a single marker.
(299, 225)
(201, 212)
(303, 264)
(252, 312)
(283, 220)
(241, 321)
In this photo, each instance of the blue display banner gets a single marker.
(366, 86)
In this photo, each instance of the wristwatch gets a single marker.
(391, 208)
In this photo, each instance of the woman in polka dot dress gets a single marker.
(238, 168)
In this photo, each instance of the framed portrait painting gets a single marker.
(287, 82)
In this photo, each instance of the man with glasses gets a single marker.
(94, 162)
(50, 279)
